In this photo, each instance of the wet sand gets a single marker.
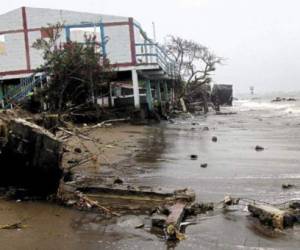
(160, 155)
(112, 154)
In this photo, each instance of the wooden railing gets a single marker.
(151, 53)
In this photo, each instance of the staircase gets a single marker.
(18, 92)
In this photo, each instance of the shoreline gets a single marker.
(162, 159)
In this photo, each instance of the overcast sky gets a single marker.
(259, 38)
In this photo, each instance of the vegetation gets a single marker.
(77, 72)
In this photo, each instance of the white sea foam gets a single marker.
(290, 108)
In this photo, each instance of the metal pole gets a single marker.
(102, 34)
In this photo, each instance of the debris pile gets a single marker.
(171, 218)
(282, 99)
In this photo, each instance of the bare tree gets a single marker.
(195, 64)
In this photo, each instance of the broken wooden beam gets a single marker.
(177, 212)
(271, 216)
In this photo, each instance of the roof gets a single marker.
(64, 12)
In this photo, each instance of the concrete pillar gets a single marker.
(136, 91)
(149, 95)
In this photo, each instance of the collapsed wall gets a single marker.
(30, 156)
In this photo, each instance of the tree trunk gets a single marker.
(110, 95)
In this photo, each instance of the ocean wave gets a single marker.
(290, 108)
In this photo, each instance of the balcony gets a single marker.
(153, 54)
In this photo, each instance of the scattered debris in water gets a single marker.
(214, 139)
(282, 99)
(259, 148)
(287, 186)
(194, 157)
(204, 165)
(118, 181)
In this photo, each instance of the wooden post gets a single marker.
(149, 95)
(183, 105)
(166, 94)
(136, 92)
(158, 93)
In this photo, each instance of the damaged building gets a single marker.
(144, 72)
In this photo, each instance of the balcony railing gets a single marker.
(151, 53)
(24, 88)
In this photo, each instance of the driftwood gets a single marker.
(16, 225)
(101, 124)
(80, 162)
(75, 134)
(271, 216)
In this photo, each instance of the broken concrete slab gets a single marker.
(138, 193)
(124, 198)
(31, 156)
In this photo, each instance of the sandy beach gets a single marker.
(159, 155)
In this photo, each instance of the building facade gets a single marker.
(122, 40)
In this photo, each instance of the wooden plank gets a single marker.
(174, 219)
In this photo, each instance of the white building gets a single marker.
(127, 47)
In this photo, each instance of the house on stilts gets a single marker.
(144, 71)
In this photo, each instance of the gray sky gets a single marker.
(259, 38)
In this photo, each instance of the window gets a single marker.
(79, 34)
(2, 45)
